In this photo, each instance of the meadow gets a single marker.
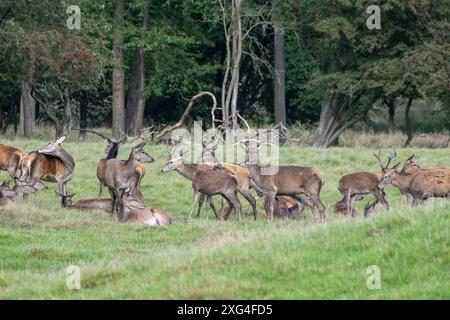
(204, 258)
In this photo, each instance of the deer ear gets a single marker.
(59, 194)
(61, 140)
(140, 146)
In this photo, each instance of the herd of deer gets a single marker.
(286, 193)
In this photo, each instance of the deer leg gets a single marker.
(211, 203)
(200, 204)
(379, 194)
(194, 200)
(100, 190)
(318, 203)
(236, 204)
(270, 205)
(228, 210)
(348, 200)
(251, 200)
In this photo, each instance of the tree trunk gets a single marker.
(408, 124)
(279, 80)
(83, 114)
(391, 112)
(28, 110)
(338, 113)
(135, 98)
(118, 87)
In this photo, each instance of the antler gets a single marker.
(379, 159)
(391, 156)
(99, 134)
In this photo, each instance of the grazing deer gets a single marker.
(123, 176)
(208, 182)
(19, 192)
(51, 163)
(10, 159)
(353, 186)
(85, 204)
(133, 211)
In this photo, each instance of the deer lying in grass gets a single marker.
(19, 192)
(287, 207)
(10, 159)
(51, 163)
(133, 211)
(353, 186)
(122, 176)
(85, 204)
(207, 181)
(419, 184)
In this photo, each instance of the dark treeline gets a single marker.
(135, 63)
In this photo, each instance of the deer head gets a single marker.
(66, 201)
(174, 162)
(410, 165)
(138, 154)
(387, 174)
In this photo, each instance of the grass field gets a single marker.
(205, 258)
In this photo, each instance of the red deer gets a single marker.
(122, 177)
(111, 151)
(19, 192)
(353, 186)
(10, 159)
(419, 184)
(301, 183)
(287, 207)
(85, 204)
(133, 211)
(207, 181)
(51, 163)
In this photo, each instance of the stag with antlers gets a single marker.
(353, 186)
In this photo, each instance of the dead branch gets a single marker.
(186, 113)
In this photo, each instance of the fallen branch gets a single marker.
(186, 113)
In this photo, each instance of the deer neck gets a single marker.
(65, 158)
(187, 170)
(254, 171)
(402, 181)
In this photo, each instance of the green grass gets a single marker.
(205, 258)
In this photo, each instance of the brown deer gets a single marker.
(85, 204)
(301, 183)
(19, 192)
(10, 159)
(353, 186)
(287, 207)
(51, 163)
(133, 211)
(111, 152)
(419, 184)
(123, 176)
(207, 181)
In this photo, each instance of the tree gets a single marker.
(118, 85)
(135, 96)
